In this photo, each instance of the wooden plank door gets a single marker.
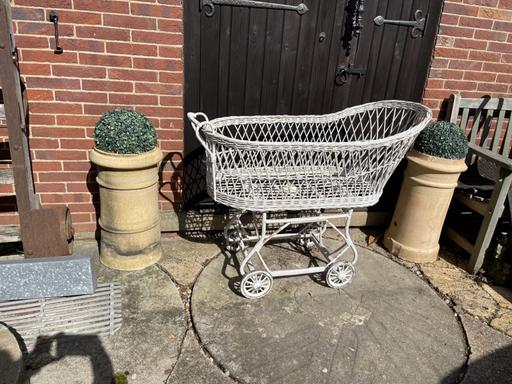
(396, 63)
(246, 61)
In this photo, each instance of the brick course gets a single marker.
(129, 54)
(472, 52)
(116, 54)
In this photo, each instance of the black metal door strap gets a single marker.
(208, 6)
(418, 24)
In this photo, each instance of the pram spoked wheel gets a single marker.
(256, 284)
(340, 274)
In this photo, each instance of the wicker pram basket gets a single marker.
(339, 160)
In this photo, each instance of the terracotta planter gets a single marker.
(427, 190)
(129, 213)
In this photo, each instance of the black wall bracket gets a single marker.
(54, 18)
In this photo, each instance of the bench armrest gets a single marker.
(500, 160)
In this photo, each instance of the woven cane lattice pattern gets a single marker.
(340, 160)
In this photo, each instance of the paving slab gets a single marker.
(503, 321)
(184, 259)
(455, 283)
(388, 326)
(502, 295)
(194, 367)
(491, 303)
(146, 347)
(491, 351)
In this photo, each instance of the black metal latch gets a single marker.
(343, 71)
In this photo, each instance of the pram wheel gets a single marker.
(316, 232)
(233, 240)
(256, 284)
(233, 244)
(233, 233)
(340, 274)
(307, 244)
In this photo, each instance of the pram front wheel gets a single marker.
(256, 284)
(340, 274)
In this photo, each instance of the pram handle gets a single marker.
(197, 125)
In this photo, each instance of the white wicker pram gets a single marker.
(288, 163)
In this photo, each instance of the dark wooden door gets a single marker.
(266, 61)
(245, 61)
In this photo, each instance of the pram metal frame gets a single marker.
(310, 231)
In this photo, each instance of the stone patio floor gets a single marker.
(396, 323)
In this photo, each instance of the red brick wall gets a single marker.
(116, 54)
(129, 54)
(473, 53)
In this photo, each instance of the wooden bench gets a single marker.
(489, 124)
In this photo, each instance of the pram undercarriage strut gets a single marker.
(308, 231)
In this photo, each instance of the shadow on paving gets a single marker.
(49, 350)
(494, 368)
(6, 363)
(10, 356)
(6, 360)
(504, 292)
(146, 346)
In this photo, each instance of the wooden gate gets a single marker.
(246, 60)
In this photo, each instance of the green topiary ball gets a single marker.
(443, 139)
(124, 131)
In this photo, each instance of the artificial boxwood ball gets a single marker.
(443, 139)
(124, 131)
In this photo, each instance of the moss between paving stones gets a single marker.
(491, 304)
(477, 299)
(503, 321)
(120, 378)
(502, 295)
(452, 282)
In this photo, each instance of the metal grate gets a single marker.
(98, 313)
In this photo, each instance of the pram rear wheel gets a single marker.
(340, 274)
(233, 246)
(233, 234)
(256, 284)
